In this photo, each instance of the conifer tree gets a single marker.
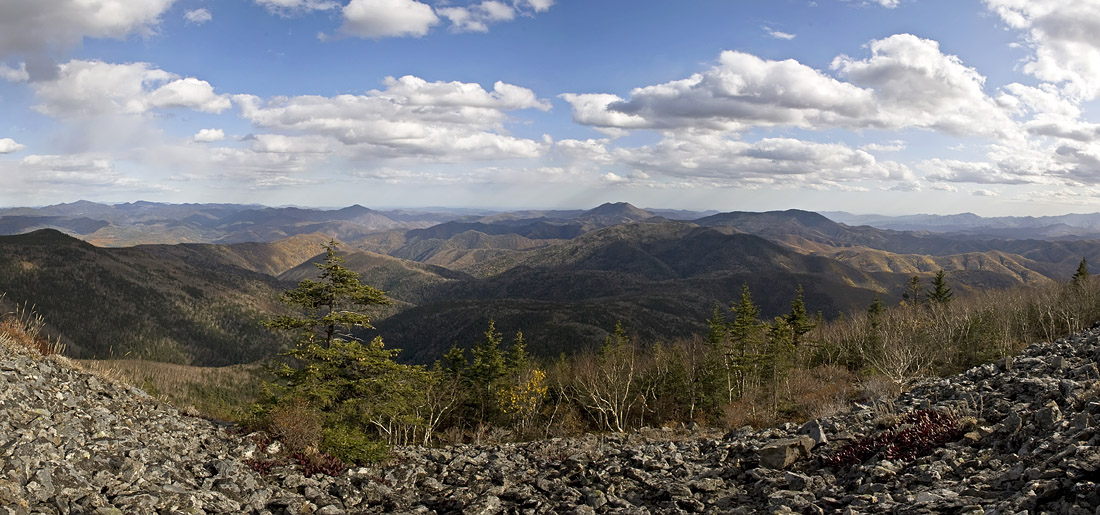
(745, 334)
(939, 293)
(798, 319)
(486, 370)
(517, 360)
(1082, 273)
(333, 303)
(352, 386)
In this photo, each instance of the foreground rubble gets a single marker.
(1019, 435)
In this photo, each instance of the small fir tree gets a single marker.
(798, 319)
(1082, 273)
(486, 371)
(939, 293)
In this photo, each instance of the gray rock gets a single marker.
(814, 430)
(781, 454)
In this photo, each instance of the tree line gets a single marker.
(338, 396)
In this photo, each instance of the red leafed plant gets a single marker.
(916, 435)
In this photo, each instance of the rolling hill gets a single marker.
(139, 303)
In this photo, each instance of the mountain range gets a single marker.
(195, 291)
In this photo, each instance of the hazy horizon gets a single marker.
(866, 106)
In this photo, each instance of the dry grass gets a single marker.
(221, 393)
(24, 328)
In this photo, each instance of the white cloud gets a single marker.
(538, 5)
(291, 7)
(891, 146)
(378, 19)
(950, 170)
(198, 16)
(411, 117)
(77, 169)
(916, 85)
(777, 34)
(8, 145)
(889, 4)
(84, 88)
(741, 91)
(208, 135)
(776, 161)
(280, 144)
(189, 93)
(907, 82)
(34, 26)
(78, 176)
(416, 91)
(984, 193)
(233, 168)
(477, 18)
(14, 74)
(1062, 35)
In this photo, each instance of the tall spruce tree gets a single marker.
(362, 396)
(333, 303)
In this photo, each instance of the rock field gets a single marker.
(1016, 436)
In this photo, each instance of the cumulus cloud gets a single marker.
(208, 136)
(36, 26)
(411, 117)
(1062, 36)
(777, 34)
(907, 82)
(378, 19)
(198, 16)
(984, 193)
(741, 91)
(84, 88)
(8, 145)
(917, 85)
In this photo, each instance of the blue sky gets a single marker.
(887, 106)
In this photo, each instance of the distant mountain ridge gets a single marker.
(562, 277)
(1077, 225)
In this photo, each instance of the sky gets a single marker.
(866, 106)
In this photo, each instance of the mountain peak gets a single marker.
(623, 209)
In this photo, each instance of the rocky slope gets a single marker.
(1019, 435)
